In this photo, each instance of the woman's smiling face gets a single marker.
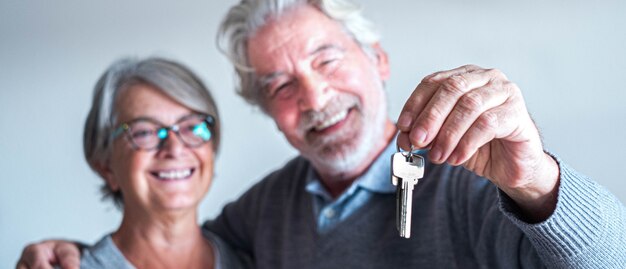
(172, 177)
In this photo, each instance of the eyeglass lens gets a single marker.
(193, 131)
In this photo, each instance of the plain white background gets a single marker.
(568, 57)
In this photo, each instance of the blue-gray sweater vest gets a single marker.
(460, 220)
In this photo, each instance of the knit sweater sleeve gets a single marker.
(586, 230)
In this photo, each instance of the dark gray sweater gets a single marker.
(460, 220)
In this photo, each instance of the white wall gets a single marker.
(568, 57)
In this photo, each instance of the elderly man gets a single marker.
(491, 197)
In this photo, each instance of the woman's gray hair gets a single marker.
(171, 78)
(245, 18)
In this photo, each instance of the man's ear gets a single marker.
(105, 172)
(382, 61)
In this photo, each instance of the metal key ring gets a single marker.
(404, 152)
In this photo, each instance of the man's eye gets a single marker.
(328, 66)
(281, 90)
(283, 86)
(326, 62)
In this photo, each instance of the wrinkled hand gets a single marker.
(477, 118)
(47, 253)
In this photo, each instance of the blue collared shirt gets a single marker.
(377, 179)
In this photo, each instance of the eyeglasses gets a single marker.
(148, 134)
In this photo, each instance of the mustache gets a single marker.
(309, 119)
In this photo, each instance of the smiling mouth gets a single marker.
(168, 175)
(331, 121)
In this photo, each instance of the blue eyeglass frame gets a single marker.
(163, 131)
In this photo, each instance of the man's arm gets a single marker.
(45, 254)
(586, 230)
(476, 118)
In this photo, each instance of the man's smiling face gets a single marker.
(322, 90)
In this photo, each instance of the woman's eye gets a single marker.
(142, 133)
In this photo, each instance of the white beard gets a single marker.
(347, 157)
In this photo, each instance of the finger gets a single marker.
(463, 115)
(35, 256)
(68, 255)
(441, 75)
(431, 118)
(44, 258)
(490, 125)
(21, 265)
(414, 105)
(40, 255)
(403, 142)
(424, 92)
(41, 265)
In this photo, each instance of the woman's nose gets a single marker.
(172, 145)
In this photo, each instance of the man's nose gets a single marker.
(314, 92)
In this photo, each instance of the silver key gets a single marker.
(406, 169)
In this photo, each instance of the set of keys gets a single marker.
(407, 168)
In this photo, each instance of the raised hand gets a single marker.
(477, 118)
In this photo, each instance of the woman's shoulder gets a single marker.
(104, 254)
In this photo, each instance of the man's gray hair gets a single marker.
(170, 78)
(245, 18)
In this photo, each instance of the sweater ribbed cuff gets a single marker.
(585, 215)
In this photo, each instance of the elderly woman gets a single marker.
(152, 135)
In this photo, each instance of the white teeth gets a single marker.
(175, 174)
(332, 120)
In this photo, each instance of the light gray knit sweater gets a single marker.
(104, 254)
